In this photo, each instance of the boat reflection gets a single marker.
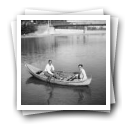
(53, 95)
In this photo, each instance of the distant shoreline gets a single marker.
(59, 32)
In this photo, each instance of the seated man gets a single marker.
(82, 75)
(49, 70)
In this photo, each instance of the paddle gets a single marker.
(76, 72)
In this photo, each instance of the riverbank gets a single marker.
(52, 31)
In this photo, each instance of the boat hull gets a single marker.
(33, 71)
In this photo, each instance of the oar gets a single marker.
(68, 72)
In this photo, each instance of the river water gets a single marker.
(66, 52)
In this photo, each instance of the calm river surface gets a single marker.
(66, 52)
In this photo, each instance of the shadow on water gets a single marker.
(80, 90)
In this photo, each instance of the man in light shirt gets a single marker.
(49, 70)
(81, 76)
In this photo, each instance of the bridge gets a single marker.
(84, 26)
(70, 25)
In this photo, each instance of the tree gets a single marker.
(27, 26)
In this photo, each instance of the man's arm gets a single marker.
(82, 74)
(49, 71)
(52, 68)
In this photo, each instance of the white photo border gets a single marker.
(63, 107)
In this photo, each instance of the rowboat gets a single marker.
(64, 75)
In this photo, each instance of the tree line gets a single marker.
(30, 26)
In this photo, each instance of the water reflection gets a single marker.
(32, 46)
(54, 92)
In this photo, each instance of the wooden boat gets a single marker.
(64, 75)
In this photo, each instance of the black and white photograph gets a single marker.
(63, 62)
